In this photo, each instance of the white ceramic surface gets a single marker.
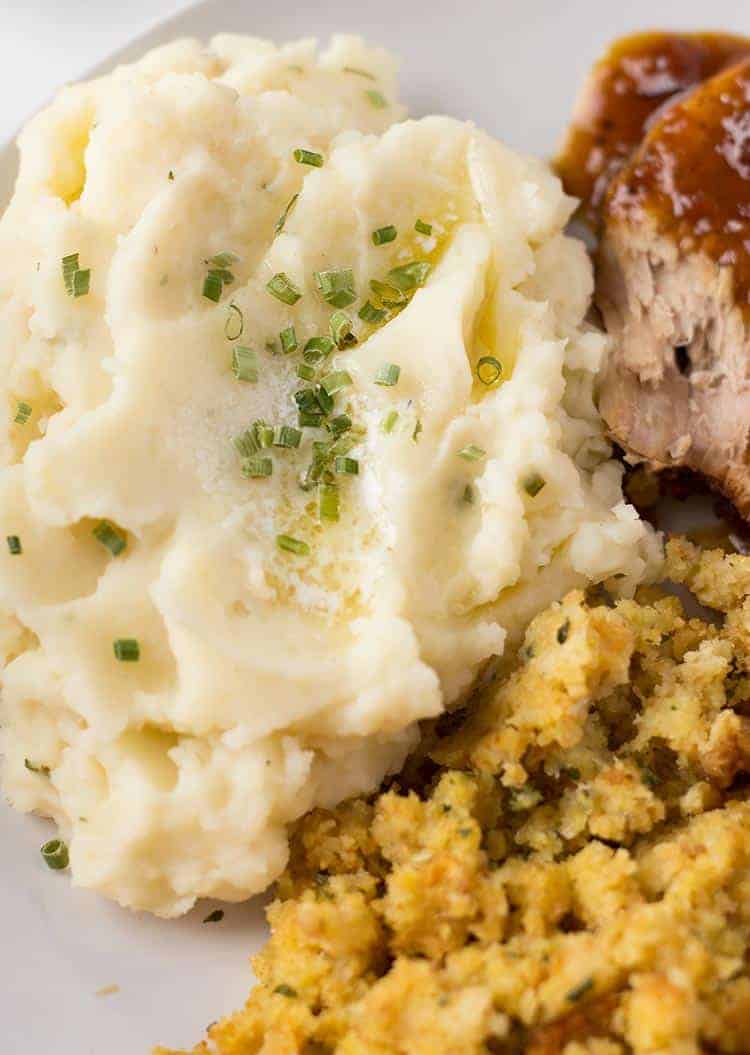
(512, 66)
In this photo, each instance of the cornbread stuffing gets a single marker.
(562, 869)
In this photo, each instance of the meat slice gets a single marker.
(633, 81)
(673, 285)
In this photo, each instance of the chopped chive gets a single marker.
(81, 283)
(336, 286)
(468, 495)
(286, 990)
(263, 434)
(126, 649)
(340, 424)
(254, 468)
(109, 537)
(215, 917)
(472, 453)
(417, 431)
(213, 287)
(308, 157)
(359, 72)
(533, 484)
(369, 313)
(580, 990)
(346, 466)
(69, 269)
(328, 502)
(409, 276)
(246, 444)
(389, 421)
(307, 419)
(282, 287)
(14, 545)
(317, 348)
(288, 339)
(170, 175)
(23, 413)
(234, 324)
(222, 274)
(287, 437)
(307, 373)
(341, 329)
(279, 225)
(489, 370)
(384, 235)
(42, 771)
(244, 363)
(335, 381)
(324, 399)
(223, 260)
(292, 545)
(376, 98)
(423, 228)
(388, 374)
(305, 400)
(388, 295)
(55, 854)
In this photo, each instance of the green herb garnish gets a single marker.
(292, 545)
(23, 413)
(335, 381)
(328, 502)
(14, 545)
(533, 484)
(388, 375)
(346, 466)
(317, 349)
(409, 276)
(42, 771)
(282, 287)
(234, 324)
(389, 421)
(341, 329)
(489, 370)
(255, 468)
(384, 235)
(244, 363)
(369, 313)
(126, 650)
(336, 286)
(423, 228)
(308, 157)
(472, 453)
(55, 854)
(109, 537)
(76, 282)
(287, 437)
(288, 339)
(215, 917)
(279, 225)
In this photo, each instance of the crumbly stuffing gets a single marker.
(562, 869)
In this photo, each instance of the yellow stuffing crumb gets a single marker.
(562, 869)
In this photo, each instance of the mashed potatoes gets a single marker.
(299, 426)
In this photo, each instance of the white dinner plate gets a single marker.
(512, 66)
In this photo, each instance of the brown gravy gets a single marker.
(635, 78)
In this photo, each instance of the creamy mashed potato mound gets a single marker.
(269, 680)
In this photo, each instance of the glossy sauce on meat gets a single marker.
(691, 176)
(637, 77)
